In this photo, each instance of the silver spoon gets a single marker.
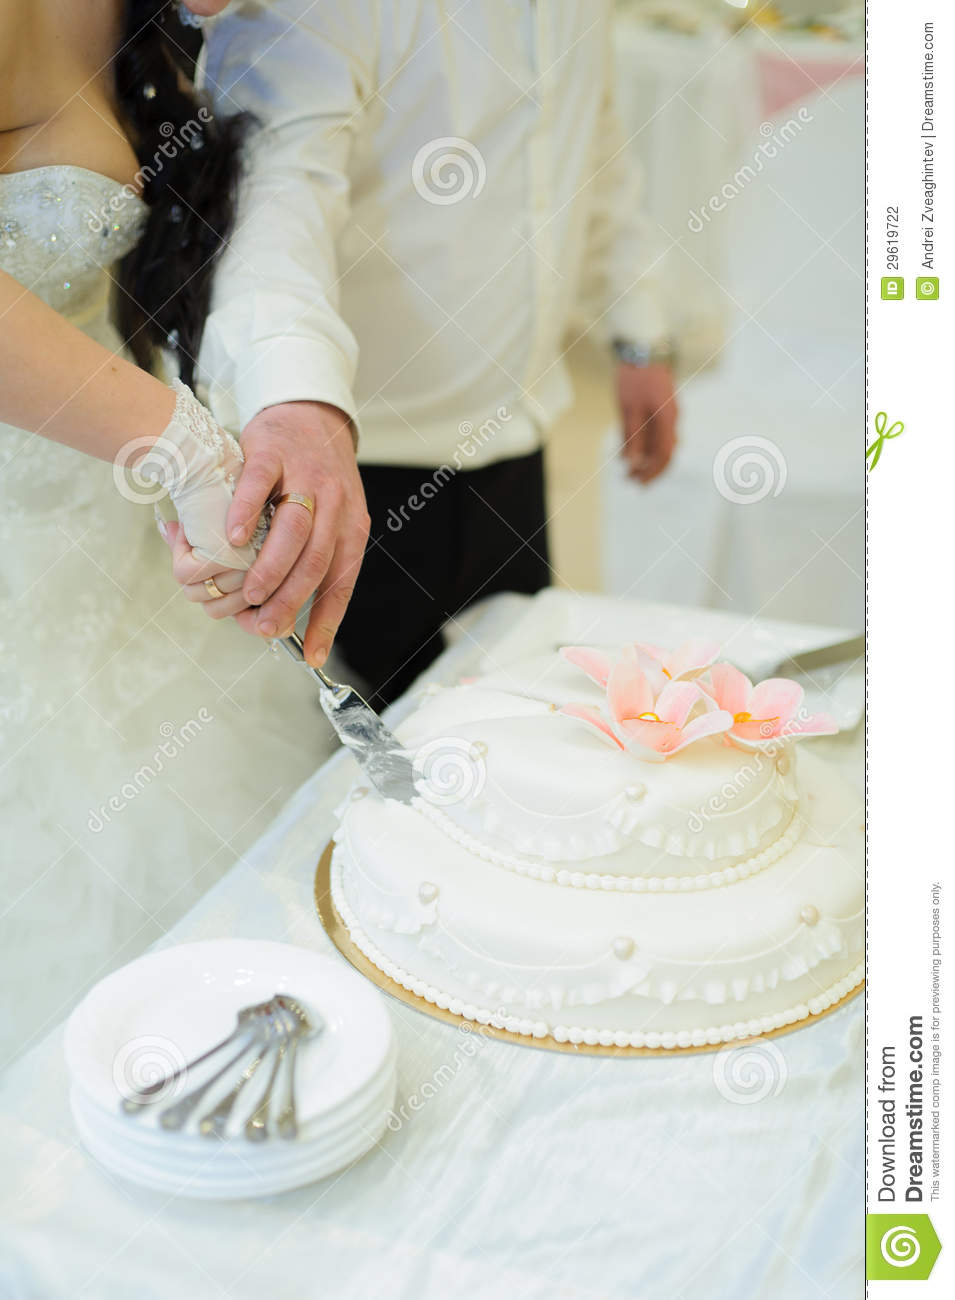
(176, 1116)
(257, 1125)
(286, 1123)
(245, 1023)
(214, 1123)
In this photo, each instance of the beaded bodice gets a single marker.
(61, 229)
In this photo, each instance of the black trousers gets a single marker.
(439, 540)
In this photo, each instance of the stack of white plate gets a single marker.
(147, 1020)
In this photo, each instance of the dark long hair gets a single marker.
(189, 167)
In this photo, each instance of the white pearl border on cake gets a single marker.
(622, 884)
(712, 1035)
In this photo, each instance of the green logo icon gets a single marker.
(899, 1246)
(926, 287)
(893, 288)
(885, 431)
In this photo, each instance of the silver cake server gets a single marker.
(387, 765)
(809, 661)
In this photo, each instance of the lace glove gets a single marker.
(197, 463)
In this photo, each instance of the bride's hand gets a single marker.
(193, 572)
(198, 463)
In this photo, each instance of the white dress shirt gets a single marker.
(433, 306)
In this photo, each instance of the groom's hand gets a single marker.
(648, 413)
(303, 447)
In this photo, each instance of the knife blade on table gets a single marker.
(809, 661)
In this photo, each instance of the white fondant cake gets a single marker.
(620, 848)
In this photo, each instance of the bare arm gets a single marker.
(57, 382)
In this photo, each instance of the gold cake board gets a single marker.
(336, 930)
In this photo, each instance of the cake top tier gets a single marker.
(632, 762)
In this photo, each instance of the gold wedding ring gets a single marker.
(296, 499)
(212, 589)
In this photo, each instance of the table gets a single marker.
(521, 1173)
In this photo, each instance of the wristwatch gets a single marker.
(644, 354)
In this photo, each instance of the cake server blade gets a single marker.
(379, 753)
(809, 661)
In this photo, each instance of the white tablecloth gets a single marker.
(517, 1172)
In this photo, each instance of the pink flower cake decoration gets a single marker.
(687, 662)
(648, 722)
(659, 701)
(660, 666)
(769, 712)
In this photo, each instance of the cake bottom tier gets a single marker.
(671, 970)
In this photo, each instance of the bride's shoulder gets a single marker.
(12, 25)
(18, 67)
(56, 105)
(11, 17)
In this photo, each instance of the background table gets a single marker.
(512, 1171)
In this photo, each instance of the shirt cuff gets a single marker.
(280, 370)
(638, 317)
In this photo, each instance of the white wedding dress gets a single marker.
(142, 746)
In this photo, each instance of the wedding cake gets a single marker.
(612, 847)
